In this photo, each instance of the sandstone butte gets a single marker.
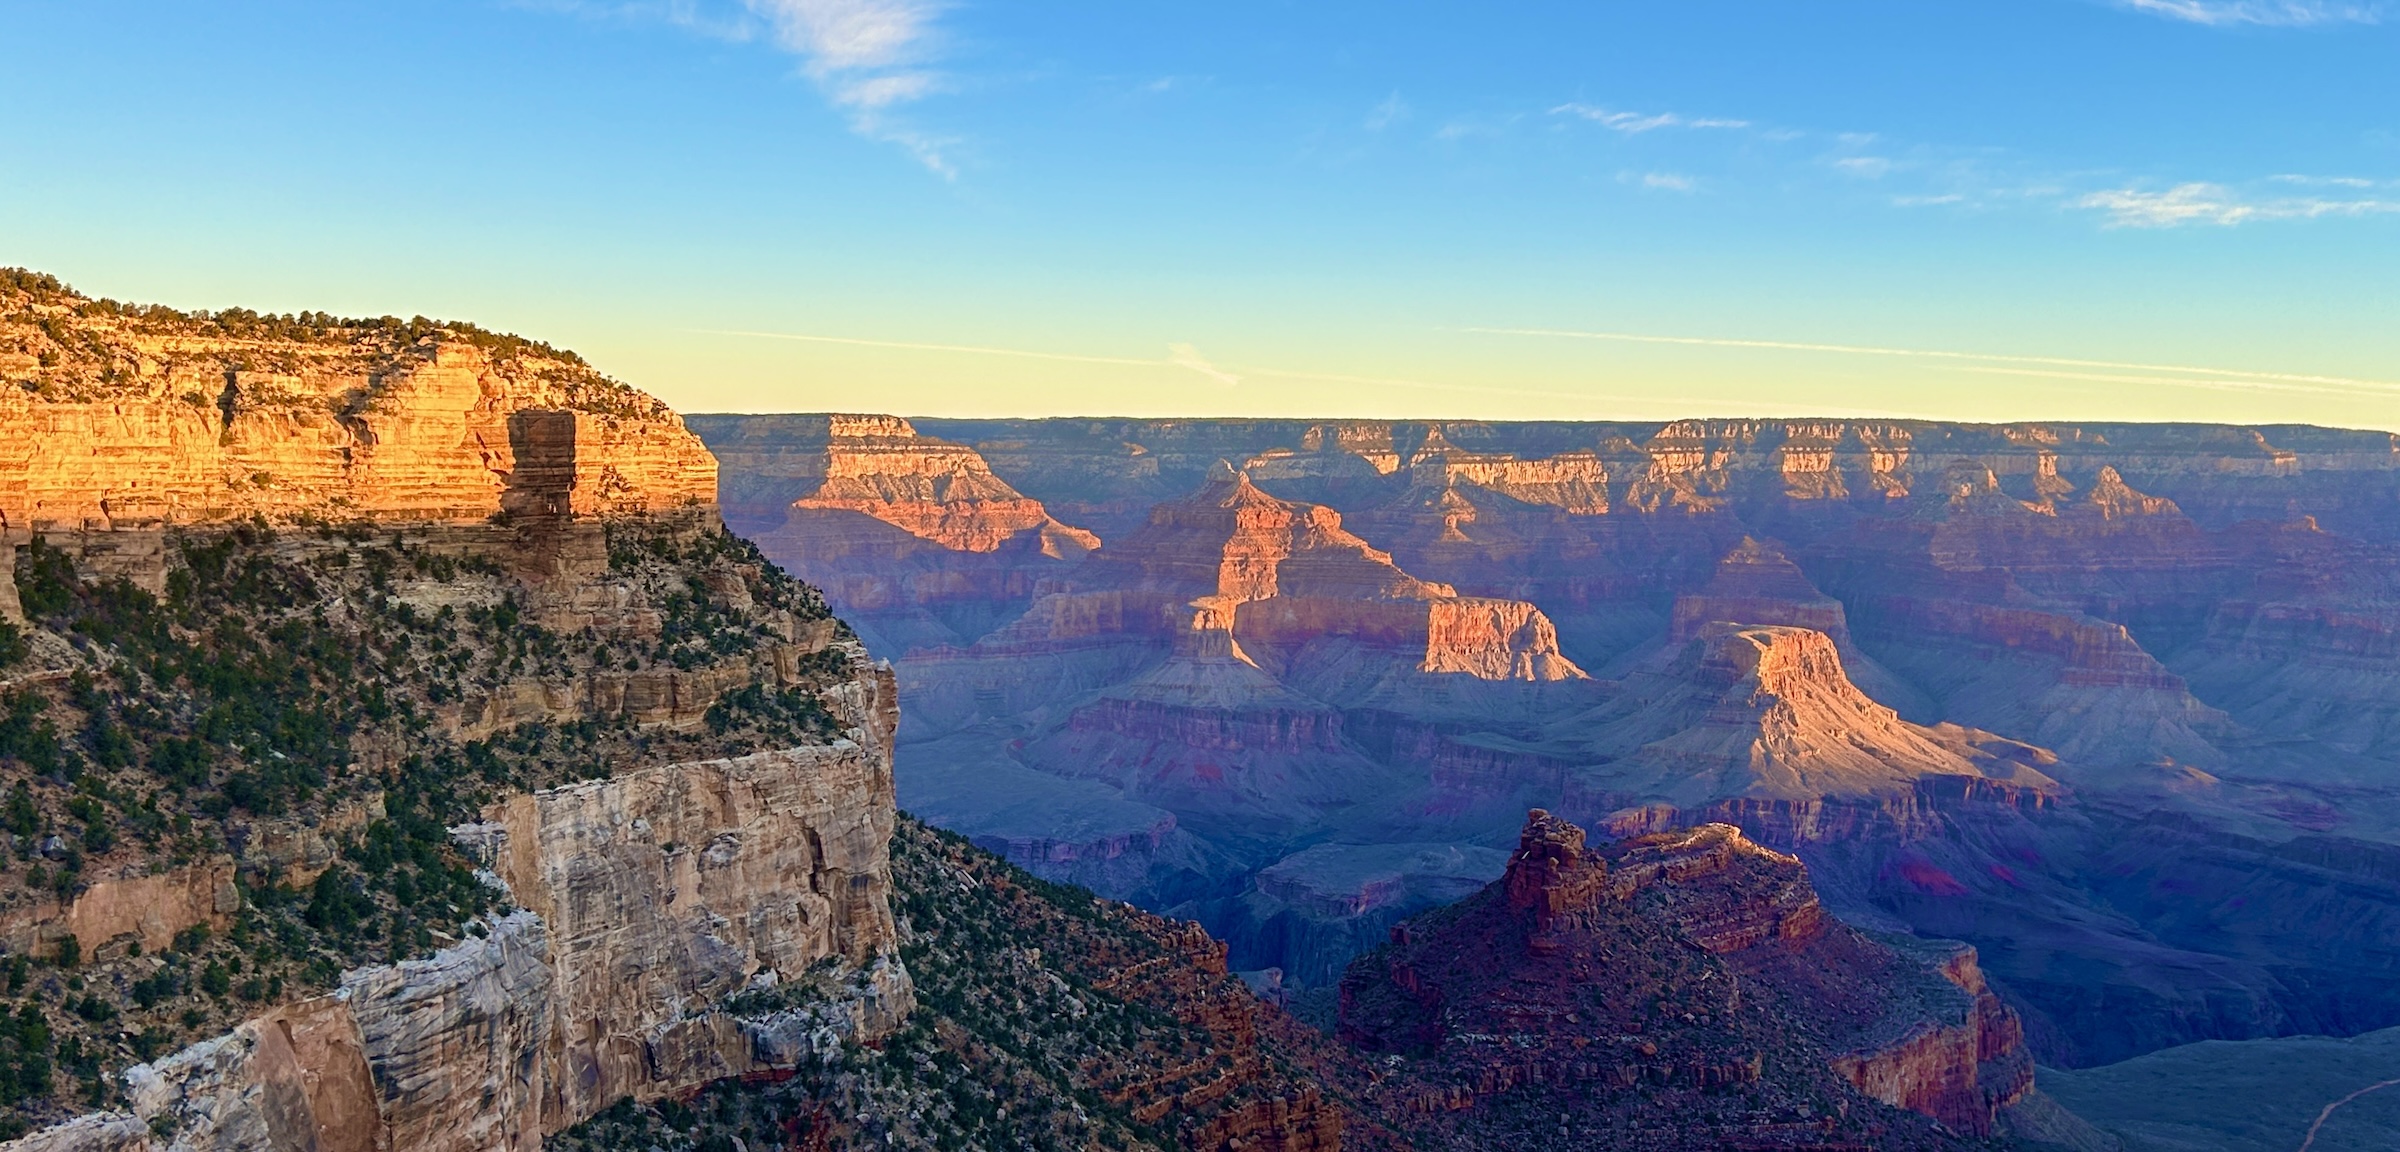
(1683, 990)
(644, 900)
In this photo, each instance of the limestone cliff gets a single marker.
(676, 928)
(652, 901)
(124, 416)
(401, 754)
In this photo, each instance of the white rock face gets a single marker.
(670, 889)
(648, 903)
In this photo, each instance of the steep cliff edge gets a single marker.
(1676, 991)
(1047, 1018)
(130, 416)
(397, 752)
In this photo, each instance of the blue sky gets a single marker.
(1976, 209)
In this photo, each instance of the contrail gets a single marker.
(1929, 354)
(916, 347)
(1183, 357)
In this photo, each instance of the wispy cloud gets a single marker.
(2271, 13)
(1387, 112)
(2323, 181)
(1468, 127)
(869, 57)
(1635, 123)
(1661, 181)
(2205, 203)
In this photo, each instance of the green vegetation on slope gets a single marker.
(61, 345)
(289, 703)
(1047, 1019)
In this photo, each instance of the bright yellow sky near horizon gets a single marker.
(1481, 375)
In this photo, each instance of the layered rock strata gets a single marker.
(2189, 623)
(1761, 724)
(650, 902)
(913, 539)
(332, 585)
(139, 422)
(1677, 991)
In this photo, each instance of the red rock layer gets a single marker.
(1677, 991)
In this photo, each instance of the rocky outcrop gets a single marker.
(1272, 575)
(1966, 1073)
(944, 493)
(667, 890)
(1568, 972)
(136, 907)
(913, 539)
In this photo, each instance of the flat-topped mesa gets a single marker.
(940, 492)
(132, 417)
(1575, 482)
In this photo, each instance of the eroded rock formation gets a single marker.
(651, 903)
(913, 539)
(2186, 628)
(1674, 991)
(430, 428)
(1761, 723)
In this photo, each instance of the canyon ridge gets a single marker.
(2119, 705)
